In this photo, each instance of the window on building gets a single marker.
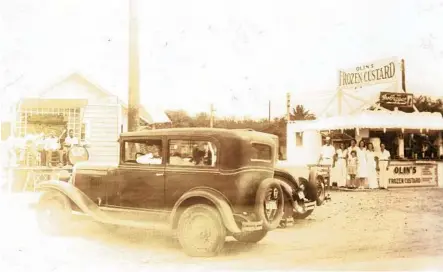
(299, 139)
(192, 153)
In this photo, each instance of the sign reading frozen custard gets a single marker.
(402, 175)
(378, 72)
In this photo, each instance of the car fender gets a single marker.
(213, 196)
(79, 198)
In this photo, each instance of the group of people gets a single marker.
(41, 148)
(356, 166)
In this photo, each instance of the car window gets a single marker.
(192, 153)
(261, 152)
(143, 151)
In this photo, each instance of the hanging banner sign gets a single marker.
(396, 99)
(412, 175)
(378, 72)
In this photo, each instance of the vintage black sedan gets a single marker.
(204, 184)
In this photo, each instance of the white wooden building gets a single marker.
(95, 115)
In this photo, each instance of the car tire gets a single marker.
(262, 193)
(54, 213)
(321, 190)
(195, 224)
(250, 237)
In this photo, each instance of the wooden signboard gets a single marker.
(412, 175)
(403, 100)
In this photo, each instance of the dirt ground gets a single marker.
(373, 230)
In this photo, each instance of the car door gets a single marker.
(183, 170)
(141, 184)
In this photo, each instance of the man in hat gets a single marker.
(327, 153)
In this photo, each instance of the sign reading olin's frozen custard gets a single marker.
(378, 72)
(409, 175)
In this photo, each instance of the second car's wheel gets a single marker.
(250, 237)
(269, 203)
(54, 213)
(321, 190)
(201, 231)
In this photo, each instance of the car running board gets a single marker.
(124, 222)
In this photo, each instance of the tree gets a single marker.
(179, 118)
(300, 113)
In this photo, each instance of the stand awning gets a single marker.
(52, 103)
(373, 120)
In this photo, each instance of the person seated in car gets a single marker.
(152, 157)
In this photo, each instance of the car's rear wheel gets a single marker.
(269, 205)
(250, 237)
(201, 231)
(54, 213)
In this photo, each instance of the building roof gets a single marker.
(373, 120)
(151, 116)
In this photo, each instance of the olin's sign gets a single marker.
(396, 99)
(412, 175)
(382, 71)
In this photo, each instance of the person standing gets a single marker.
(353, 147)
(68, 143)
(384, 158)
(51, 145)
(362, 169)
(341, 165)
(327, 153)
(372, 172)
(352, 169)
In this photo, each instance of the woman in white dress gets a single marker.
(372, 172)
(341, 165)
(362, 169)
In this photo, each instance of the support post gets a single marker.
(211, 116)
(288, 107)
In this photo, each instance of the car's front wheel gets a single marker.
(53, 213)
(250, 237)
(201, 231)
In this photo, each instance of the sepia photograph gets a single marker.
(203, 135)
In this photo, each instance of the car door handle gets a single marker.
(159, 174)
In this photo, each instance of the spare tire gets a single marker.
(77, 154)
(269, 203)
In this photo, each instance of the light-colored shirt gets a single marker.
(51, 144)
(71, 141)
(148, 159)
(384, 155)
(327, 151)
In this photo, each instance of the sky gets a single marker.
(238, 55)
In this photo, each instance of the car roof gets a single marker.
(199, 131)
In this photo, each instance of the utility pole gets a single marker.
(269, 111)
(211, 116)
(134, 82)
(288, 107)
